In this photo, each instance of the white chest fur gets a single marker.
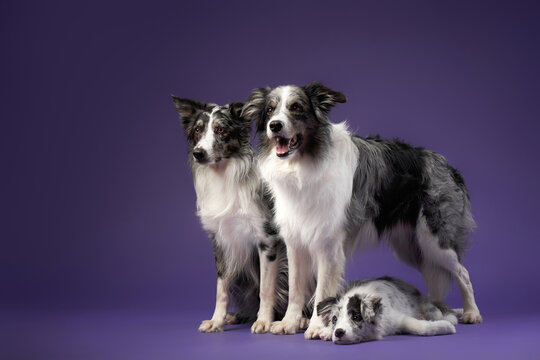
(312, 195)
(227, 206)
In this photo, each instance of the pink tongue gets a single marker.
(282, 147)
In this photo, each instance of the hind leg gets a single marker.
(447, 259)
(414, 326)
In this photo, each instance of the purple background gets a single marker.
(98, 209)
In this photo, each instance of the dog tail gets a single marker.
(437, 280)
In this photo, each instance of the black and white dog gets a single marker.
(333, 190)
(235, 211)
(372, 308)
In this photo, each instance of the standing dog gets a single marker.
(373, 308)
(333, 189)
(236, 213)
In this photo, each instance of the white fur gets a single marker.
(397, 315)
(226, 194)
(312, 226)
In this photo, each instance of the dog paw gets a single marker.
(283, 327)
(325, 334)
(209, 326)
(451, 318)
(261, 326)
(304, 323)
(471, 317)
(231, 319)
(446, 327)
(313, 331)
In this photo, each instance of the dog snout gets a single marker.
(275, 126)
(199, 154)
(339, 333)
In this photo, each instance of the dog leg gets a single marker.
(414, 326)
(222, 299)
(299, 272)
(330, 269)
(448, 260)
(267, 294)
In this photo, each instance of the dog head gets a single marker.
(215, 133)
(353, 319)
(291, 119)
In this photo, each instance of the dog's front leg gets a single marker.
(222, 292)
(299, 273)
(220, 312)
(267, 294)
(330, 268)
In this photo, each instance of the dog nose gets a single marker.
(276, 126)
(199, 154)
(339, 333)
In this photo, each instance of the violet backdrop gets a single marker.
(98, 206)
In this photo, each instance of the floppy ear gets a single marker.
(322, 98)
(370, 308)
(254, 108)
(324, 308)
(236, 109)
(189, 110)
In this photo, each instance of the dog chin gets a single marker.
(344, 342)
(211, 162)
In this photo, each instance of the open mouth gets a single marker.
(285, 147)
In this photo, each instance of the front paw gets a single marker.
(326, 334)
(261, 326)
(208, 326)
(471, 317)
(284, 327)
(314, 331)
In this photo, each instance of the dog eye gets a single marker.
(197, 130)
(219, 130)
(296, 107)
(269, 110)
(357, 317)
(334, 320)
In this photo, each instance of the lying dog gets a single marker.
(333, 190)
(373, 308)
(236, 213)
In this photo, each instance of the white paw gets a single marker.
(284, 327)
(471, 317)
(451, 318)
(313, 331)
(326, 334)
(440, 327)
(261, 326)
(208, 326)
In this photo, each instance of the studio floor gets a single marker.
(137, 334)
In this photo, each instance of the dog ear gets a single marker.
(189, 110)
(322, 98)
(370, 308)
(254, 108)
(324, 308)
(236, 109)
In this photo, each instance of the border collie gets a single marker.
(235, 211)
(334, 190)
(372, 308)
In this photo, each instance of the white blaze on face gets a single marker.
(207, 141)
(280, 112)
